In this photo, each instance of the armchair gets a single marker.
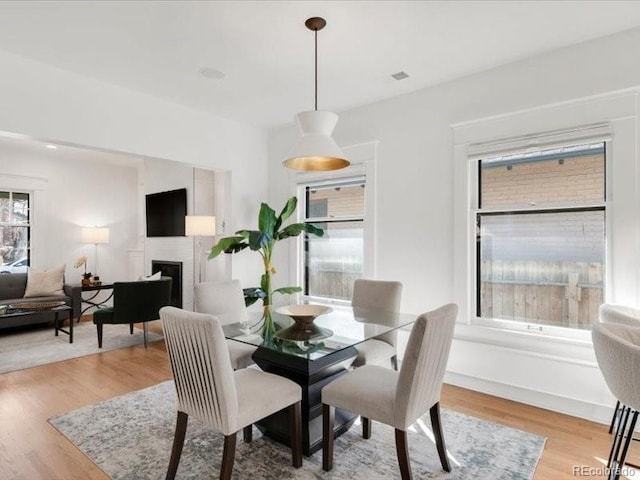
(134, 302)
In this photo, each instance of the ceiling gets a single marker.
(28, 146)
(266, 53)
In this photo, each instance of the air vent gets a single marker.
(211, 73)
(400, 75)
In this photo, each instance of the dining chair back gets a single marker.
(396, 398)
(614, 313)
(209, 390)
(225, 300)
(379, 296)
(201, 368)
(424, 364)
(617, 349)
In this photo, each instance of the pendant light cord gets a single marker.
(316, 72)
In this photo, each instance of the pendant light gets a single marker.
(316, 150)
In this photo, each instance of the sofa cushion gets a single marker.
(12, 285)
(42, 283)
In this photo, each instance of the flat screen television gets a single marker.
(166, 212)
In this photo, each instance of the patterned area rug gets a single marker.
(39, 346)
(129, 437)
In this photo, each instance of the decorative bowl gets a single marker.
(303, 328)
(36, 305)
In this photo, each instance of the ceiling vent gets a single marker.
(400, 75)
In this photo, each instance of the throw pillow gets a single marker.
(44, 283)
(155, 276)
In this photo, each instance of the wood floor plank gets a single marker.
(30, 448)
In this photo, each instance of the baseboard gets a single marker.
(556, 403)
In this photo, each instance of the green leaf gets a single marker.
(267, 219)
(296, 229)
(252, 295)
(248, 301)
(287, 211)
(257, 239)
(287, 290)
(238, 247)
(232, 244)
(243, 233)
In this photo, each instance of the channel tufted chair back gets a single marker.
(209, 390)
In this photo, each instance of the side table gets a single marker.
(92, 301)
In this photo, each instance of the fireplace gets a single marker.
(173, 270)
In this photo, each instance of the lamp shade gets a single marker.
(201, 225)
(316, 150)
(95, 235)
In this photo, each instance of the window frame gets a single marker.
(363, 163)
(302, 201)
(28, 225)
(549, 331)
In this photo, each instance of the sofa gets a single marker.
(12, 289)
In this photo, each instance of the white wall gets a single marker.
(415, 207)
(74, 193)
(51, 104)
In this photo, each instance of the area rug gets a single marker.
(35, 347)
(129, 437)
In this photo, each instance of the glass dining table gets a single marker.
(314, 362)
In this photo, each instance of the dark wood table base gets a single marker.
(311, 376)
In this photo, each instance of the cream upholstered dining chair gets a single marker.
(617, 348)
(613, 313)
(382, 296)
(225, 300)
(209, 390)
(399, 398)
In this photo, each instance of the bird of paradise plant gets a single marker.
(263, 241)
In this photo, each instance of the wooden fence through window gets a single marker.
(566, 294)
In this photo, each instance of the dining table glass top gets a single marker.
(341, 328)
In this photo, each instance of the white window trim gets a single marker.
(363, 164)
(36, 188)
(613, 116)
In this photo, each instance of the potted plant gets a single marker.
(270, 231)
(86, 276)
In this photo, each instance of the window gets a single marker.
(15, 231)
(333, 262)
(540, 237)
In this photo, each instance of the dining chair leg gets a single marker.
(295, 422)
(366, 428)
(394, 362)
(625, 449)
(144, 333)
(328, 418)
(617, 439)
(99, 327)
(228, 456)
(436, 425)
(616, 412)
(178, 442)
(247, 433)
(402, 450)
(131, 328)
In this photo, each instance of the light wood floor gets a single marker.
(31, 449)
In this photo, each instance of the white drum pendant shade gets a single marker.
(316, 150)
